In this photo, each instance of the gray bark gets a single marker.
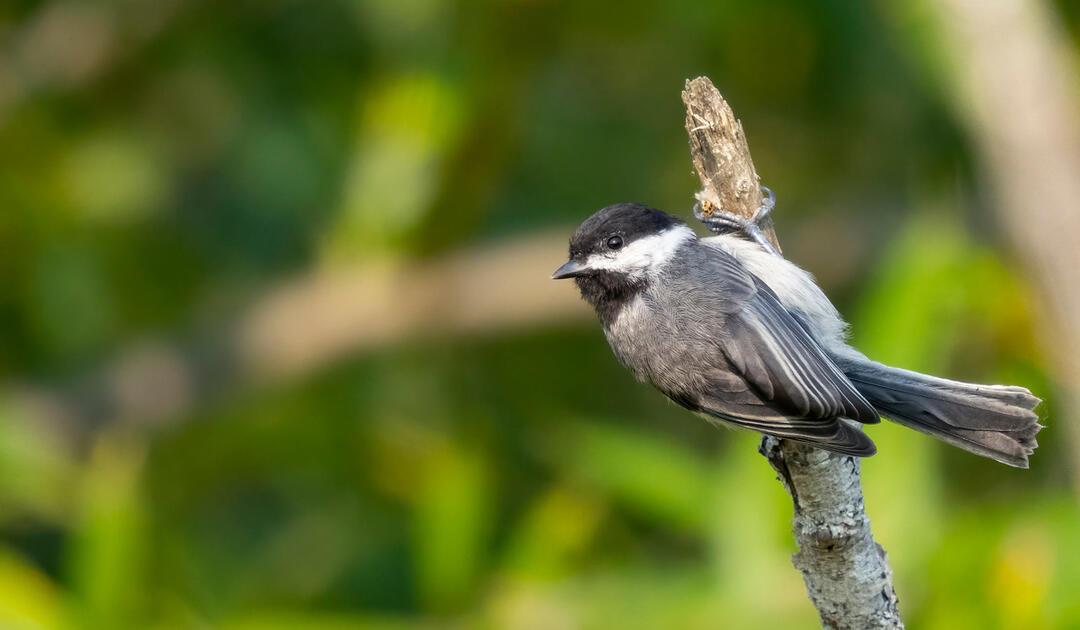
(847, 574)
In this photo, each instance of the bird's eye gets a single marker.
(615, 242)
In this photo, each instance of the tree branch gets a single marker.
(846, 572)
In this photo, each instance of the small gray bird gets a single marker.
(733, 331)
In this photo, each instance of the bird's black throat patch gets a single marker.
(608, 292)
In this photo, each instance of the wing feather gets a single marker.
(792, 388)
(778, 357)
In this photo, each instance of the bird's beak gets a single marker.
(571, 269)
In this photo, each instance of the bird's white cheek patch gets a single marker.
(644, 256)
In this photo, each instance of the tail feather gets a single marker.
(995, 421)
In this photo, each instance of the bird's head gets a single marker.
(618, 250)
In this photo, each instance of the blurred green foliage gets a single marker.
(161, 163)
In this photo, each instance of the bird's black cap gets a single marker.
(630, 221)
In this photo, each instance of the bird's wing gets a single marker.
(789, 386)
(778, 356)
(731, 399)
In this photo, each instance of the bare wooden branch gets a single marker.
(720, 154)
(847, 574)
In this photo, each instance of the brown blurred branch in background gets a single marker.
(318, 318)
(847, 573)
(70, 44)
(507, 286)
(1017, 88)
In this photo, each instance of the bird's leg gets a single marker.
(720, 221)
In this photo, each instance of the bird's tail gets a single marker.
(995, 421)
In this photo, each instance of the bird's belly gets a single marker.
(660, 351)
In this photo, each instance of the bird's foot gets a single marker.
(719, 221)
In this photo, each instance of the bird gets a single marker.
(729, 329)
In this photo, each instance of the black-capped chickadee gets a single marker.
(737, 333)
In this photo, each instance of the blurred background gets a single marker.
(278, 348)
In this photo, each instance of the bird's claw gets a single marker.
(720, 221)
